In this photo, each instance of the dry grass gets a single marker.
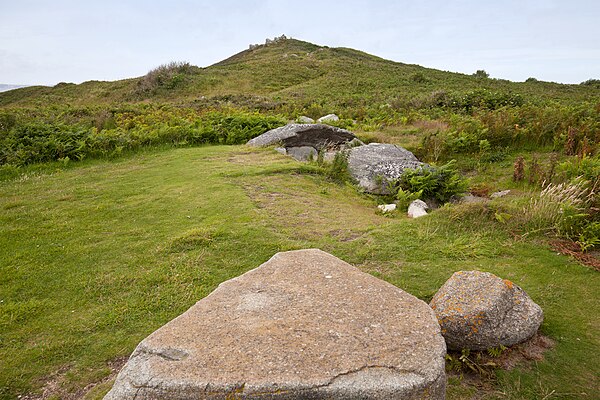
(557, 207)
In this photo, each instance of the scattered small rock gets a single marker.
(477, 311)
(417, 208)
(502, 193)
(385, 208)
(305, 120)
(328, 118)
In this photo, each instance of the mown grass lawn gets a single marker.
(96, 256)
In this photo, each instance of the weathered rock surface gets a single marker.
(417, 208)
(477, 311)
(375, 164)
(304, 325)
(499, 194)
(328, 117)
(385, 208)
(305, 120)
(302, 153)
(318, 136)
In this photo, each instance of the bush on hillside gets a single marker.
(166, 76)
(437, 183)
(32, 142)
(592, 82)
(481, 73)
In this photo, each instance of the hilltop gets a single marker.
(291, 71)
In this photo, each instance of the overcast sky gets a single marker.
(46, 42)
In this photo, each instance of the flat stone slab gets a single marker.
(318, 136)
(304, 325)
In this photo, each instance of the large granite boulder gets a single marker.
(373, 166)
(477, 311)
(318, 136)
(304, 325)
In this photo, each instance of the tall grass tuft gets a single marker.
(560, 209)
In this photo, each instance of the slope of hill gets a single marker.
(4, 87)
(294, 71)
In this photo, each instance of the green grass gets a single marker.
(98, 255)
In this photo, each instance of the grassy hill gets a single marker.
(283, 80)
(122, 203)
(293, 71)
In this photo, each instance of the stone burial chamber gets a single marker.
(303, 325)
(305, 141)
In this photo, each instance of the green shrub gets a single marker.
(41, 141)
(589, 238)
(337, 170)
(166, 76)
(419, 77)
(586, 167)
(439, 183)
(7, 121)
(592, 82)
(480, 73)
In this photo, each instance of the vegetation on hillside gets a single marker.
(117, 249)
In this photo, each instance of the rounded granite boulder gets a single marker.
(478, 310)
(375, 165)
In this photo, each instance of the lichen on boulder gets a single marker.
(478, 310)
(375, 165)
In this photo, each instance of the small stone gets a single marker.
(470, 198)
(305, 120)
(502, 193)
(302, 153)
(417, 208)
(478, 310)
(385, 208)
(328, 118)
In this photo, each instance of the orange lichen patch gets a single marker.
(508, 283)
